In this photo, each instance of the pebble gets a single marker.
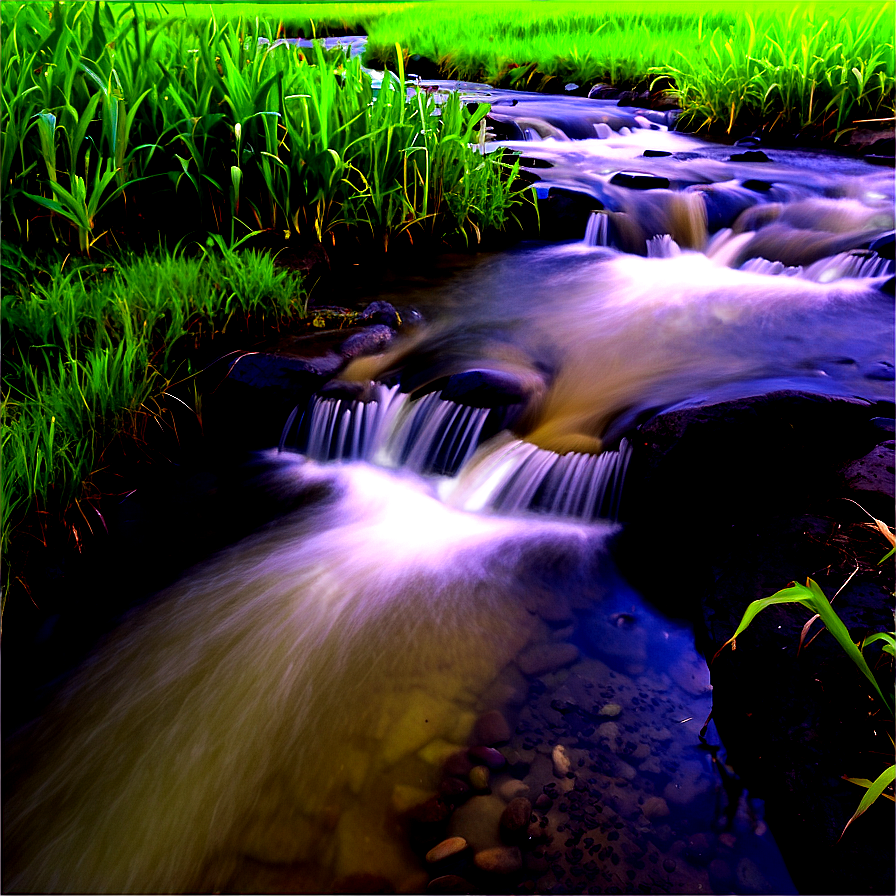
(450, 847)
(560, 760)
(546, 657)
(479, 778)
(499, 859)
(491, 729)
(611, 710)
(510, 790)
(515, 817)
(489, 756)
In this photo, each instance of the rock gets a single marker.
(488, 756)
(639, 180)
(492, 728)
(510, 790)
(560, 760)
(757, 186)
(752, 141)
(449, 884)
(884, 245)
(369, 341)
(479, 778)
(603, 92)
(655, 153)
(499, 859)
(478, 822)
(611, 710)
(343, 389)
(381, 313)
(486, 388)
(751, 155)
(546, 657)
(514, 821)
(432, 811)
(450, 847)
(869, 480)
(453, 790)
(655, 807)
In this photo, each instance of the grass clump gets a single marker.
(91, 352)
(108, 125)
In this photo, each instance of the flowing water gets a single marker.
(266, 724)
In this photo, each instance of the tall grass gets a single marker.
(90, 352)
(106, 120)
(821, 67)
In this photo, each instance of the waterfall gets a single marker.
(426, 435)
(511, 476)
(858, 263)
(662, 247)
(432, 435)
(597, 230)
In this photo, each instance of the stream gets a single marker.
(282, 719)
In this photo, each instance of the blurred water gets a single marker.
(265, 722)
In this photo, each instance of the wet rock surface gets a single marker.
(795, 721)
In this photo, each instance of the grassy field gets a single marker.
(822, 68)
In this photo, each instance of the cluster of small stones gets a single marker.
(591, 791)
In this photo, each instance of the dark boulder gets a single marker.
(755, 155)
(368, 341)
(639, 180)
(380, 313)
(486, 388)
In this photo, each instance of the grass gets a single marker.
(105, 120)
(823, 68)
(91, 352)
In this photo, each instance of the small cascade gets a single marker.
(597, 231)
(427, 435)
(772, 268)
(432, 435)
(662, 247)
(513, 476)
(858, 263)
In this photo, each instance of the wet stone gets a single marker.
(511, 790)
(515, 818)
(637, 180)
(487, 756)
(449, 847)
(479, 779)
(499, 859)
(751, 155)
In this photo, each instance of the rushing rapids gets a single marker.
(266, 723)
